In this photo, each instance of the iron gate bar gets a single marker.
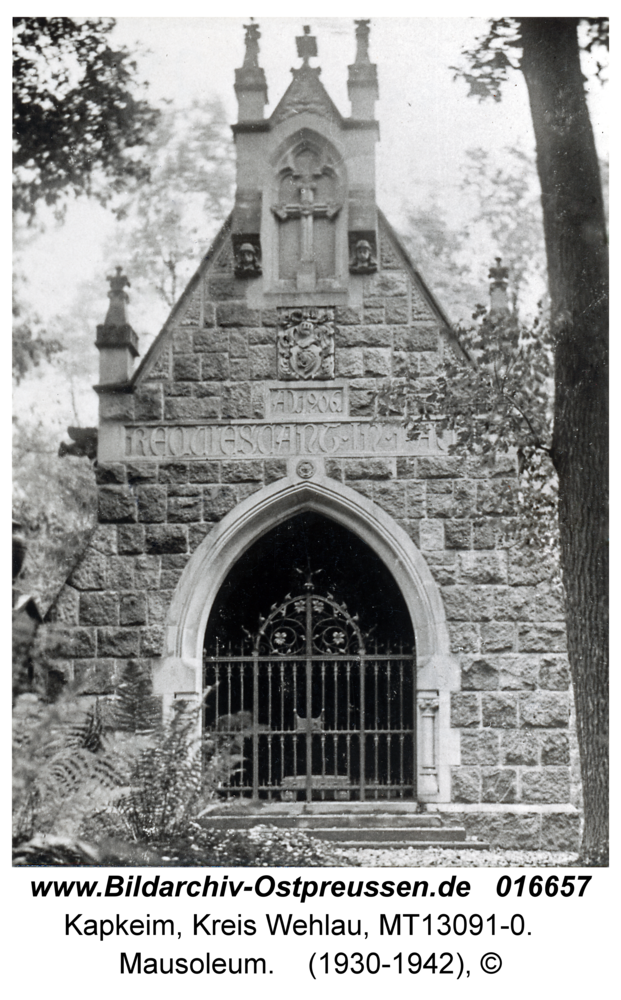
(255, 726)
(310, 633)
(282, 658)
(363, 736)
(309, 698)
(348, 737)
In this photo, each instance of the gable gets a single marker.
(188, 310)
(214, 294)
(305, 93)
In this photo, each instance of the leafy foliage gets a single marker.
(72, 852)
(60, 769)
(169, 222)
(78, 125)
(167, 781)
(487, 64)
(500, 216)
(113, 768)
(54, 499)
(109, 783)
(173, 770)
(32, 343)
(444, 255)
(260, 846)
(508, 210)
(553, 68)
(489, 61)
(498, 403)
(31, 346)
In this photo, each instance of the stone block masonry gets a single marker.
(219, 367)
(259, 400)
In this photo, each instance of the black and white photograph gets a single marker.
(310, 444)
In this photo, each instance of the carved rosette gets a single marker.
(305, 469)
(306, 343)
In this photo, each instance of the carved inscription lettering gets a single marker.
(247, 440)
(298, 403)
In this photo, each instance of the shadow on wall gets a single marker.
(337, 561)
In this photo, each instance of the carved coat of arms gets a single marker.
(306, 343)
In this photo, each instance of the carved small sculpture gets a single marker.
(84, 443)
(499, 275)
(251, 57)
(363, 30)
(306, 343)
(247, 261)
(118, 298)
(363, 260)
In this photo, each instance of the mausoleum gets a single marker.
(340, 591)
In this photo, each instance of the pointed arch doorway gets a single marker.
(178, 673)
(309, 668)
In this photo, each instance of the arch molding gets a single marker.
(179, 671)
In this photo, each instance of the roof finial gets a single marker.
(118, 297)
(250, 85)
(499, 279)
(251, 56)
(362, 79)
(363, 31)
(306, 45)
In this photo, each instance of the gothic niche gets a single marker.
(309, 201)
(247, 251)
(362, 253)
(306, 343)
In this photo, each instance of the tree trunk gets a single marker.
(575, 235)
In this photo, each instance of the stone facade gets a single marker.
(207, 423)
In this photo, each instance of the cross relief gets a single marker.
(306, 207)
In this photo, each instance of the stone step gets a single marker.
(384, 834)
(349, 821)
(371, 825)
(247, 807)
(419, 845)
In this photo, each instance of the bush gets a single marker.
(262, 846)
(61, 770)
(111, 784)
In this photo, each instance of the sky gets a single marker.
(426, 125)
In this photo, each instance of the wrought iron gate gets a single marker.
(313, 713)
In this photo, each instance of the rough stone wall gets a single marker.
(505, 618)
(505, 623)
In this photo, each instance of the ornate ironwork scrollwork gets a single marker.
(309, 624)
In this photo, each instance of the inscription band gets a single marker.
(267, 440)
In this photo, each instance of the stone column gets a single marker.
(428, 703)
